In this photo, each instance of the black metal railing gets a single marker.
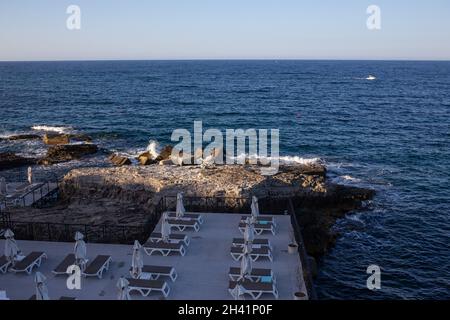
(304, 258)
(63, 232)
(227, 204)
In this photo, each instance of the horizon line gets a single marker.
(234, 59)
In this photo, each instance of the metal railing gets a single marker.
(304, 258)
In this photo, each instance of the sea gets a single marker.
(378, 124)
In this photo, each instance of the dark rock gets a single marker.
(23, 137)
(81, 137)
(56, 139)
(68, 152)
(165, 153)
(119, 161)
(10, 160)
(146, 159)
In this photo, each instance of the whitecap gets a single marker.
(51, 128)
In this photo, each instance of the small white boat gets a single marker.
(370, 77)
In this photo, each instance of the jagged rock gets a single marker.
(22, 137)
(56, 139)
(10, 160)
(80, 137)
(119, 161)
(67, 152)
(146, 158)
(165, 153)
(165, 162)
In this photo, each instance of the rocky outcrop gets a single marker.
(22, 137)
(146, 158)
(165, 153)
(67, 152)
(126, 195)
(56, 139)
(119, 160)
(80, 137)
(10, 160)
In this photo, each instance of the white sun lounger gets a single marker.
(240, 242)
(155, 272)
(144, 287)
(183, 224)
(173, 237)
(164, 248)
(34, 259)
(66, 263)
(4, 264)
(237, 253)
(259, 228)
(263, 219)
(255, 289)
(255, 276)
(193, 216)
(97, 266)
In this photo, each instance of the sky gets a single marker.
(225, 29)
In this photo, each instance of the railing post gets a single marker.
(49, 232)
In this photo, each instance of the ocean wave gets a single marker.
(58, 129)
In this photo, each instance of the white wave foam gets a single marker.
(52, 128)
(287, 160)
(153, 147)
(350, 178)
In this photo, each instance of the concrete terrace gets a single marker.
(202, 272)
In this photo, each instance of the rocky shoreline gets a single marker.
(126, 194)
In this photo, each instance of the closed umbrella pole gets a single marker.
(80, 250)
(137, 262)
(255, 207)
(41, 287)
(30, 175)
(165, 228)
(180, 211)
(122, 285)
(11, 250)
(249, 234)
(246, 267)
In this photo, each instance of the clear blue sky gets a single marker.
(225, 29)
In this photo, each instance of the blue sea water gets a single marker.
(391, 134)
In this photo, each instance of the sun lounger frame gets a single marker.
(270, 219)
(259, 228)
(61, 268)
(151, 248)
(103, 267)
(155, 272)
(4, 264)
(36, 262)
(173, 237)
(256, 289)
(183, 224)
(146, 290)
(254, 255)
(191, 215)
(254, 276)
(240, 242)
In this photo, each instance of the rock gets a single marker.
(56, 139)
(119, 161)
(146, 158)
(80, 137)
(68, 152)
(165, 153)
(10, 160)
(165, 162)
(23, 137)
